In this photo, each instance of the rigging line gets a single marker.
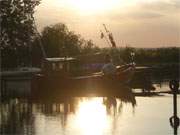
(107, 31)
(40, 42)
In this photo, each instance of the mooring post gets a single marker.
(174, 120)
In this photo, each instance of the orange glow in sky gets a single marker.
(138, 23)
(95, 6)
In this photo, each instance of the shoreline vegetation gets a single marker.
(57, 41)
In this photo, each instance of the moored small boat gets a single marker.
(56, 78)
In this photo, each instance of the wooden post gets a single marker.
(174, 120)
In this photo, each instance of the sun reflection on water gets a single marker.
(91, 117)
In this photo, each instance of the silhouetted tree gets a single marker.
(58, 40)
(89, 47)
(17, 30)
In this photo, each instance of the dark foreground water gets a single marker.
(89, 116)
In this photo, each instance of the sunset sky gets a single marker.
(138, 23)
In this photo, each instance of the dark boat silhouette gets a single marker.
(57, 78)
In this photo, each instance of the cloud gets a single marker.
(161, 6)
(176, 4)
(132, 15)
(155, 9)
(139, 14)
(161, 10)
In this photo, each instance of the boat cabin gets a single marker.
(59, 65)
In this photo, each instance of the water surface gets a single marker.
(89, 116)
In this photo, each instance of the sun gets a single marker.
(93, 6)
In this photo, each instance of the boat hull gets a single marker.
(98, 84)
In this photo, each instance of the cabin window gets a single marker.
(53, 66)
(60, 66)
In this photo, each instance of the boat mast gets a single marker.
(106, 39)
(110, 36)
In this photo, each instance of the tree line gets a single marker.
(147, 56)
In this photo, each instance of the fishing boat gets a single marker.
(57, 77)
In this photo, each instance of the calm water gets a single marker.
(89, 116)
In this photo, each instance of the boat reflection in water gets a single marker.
(68, 115)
